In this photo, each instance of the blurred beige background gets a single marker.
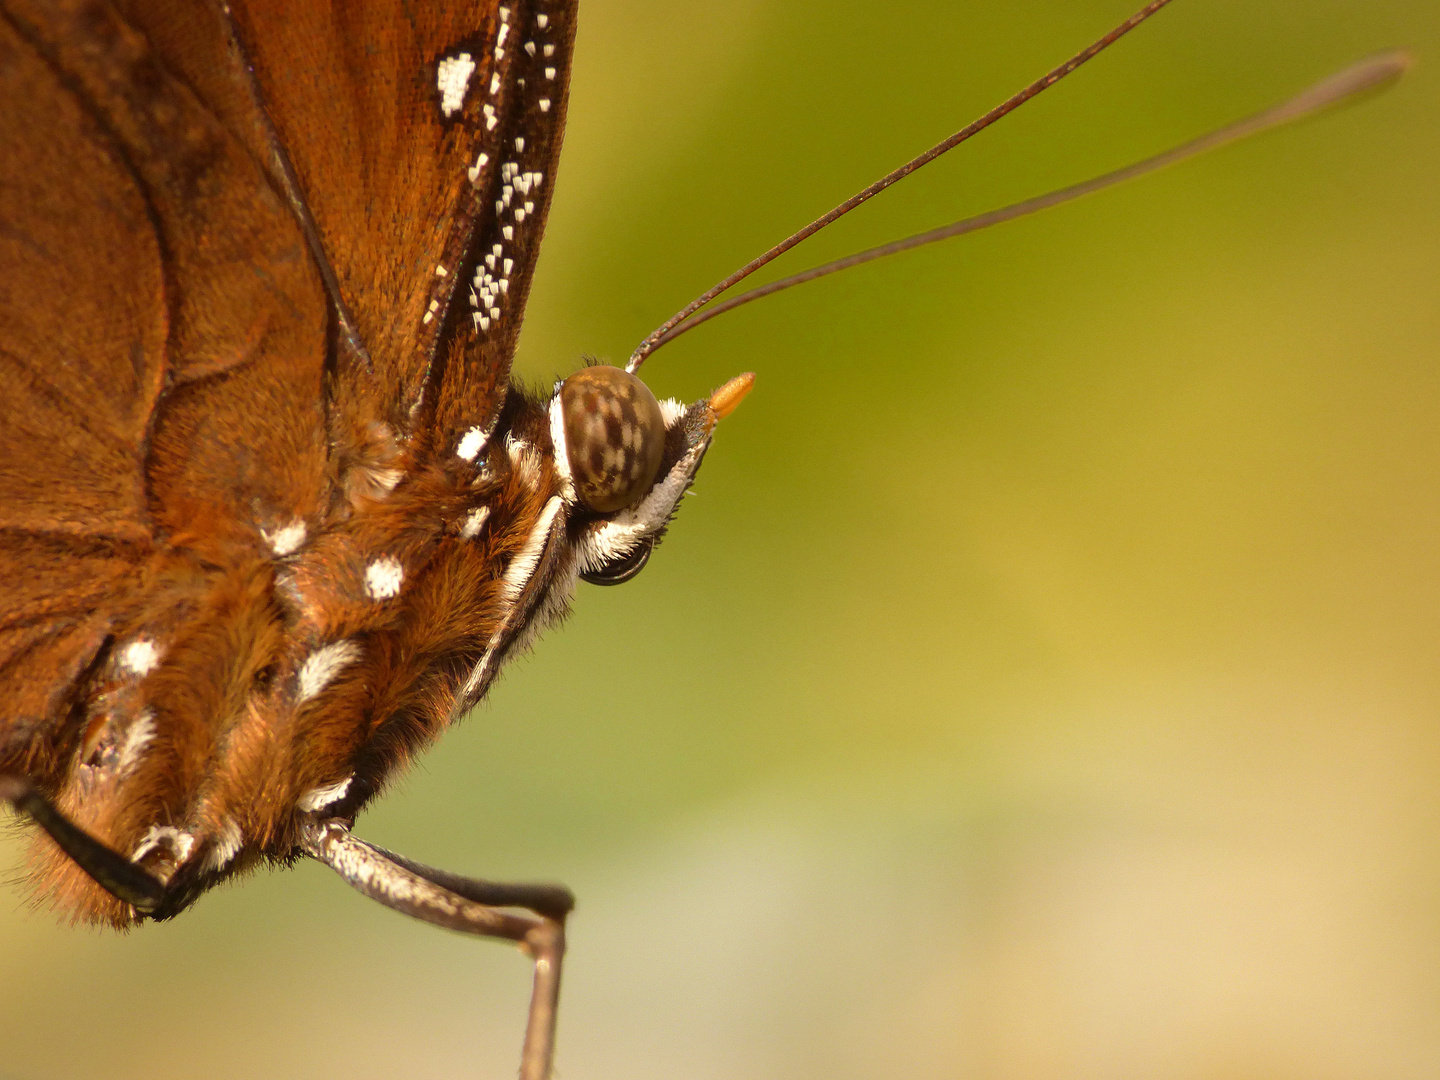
(1043, 681)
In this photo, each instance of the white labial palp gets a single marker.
(561, 448)
(624, 532)
(671, 411)
(517, 576)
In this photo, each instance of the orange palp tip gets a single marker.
(724, 400)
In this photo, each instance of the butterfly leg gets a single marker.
(125, 879)
(463, 904)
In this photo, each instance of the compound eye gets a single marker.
(614, 436)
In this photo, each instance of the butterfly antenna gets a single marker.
(1368, 75)
(664, 332)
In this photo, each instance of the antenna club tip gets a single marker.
(724, 400)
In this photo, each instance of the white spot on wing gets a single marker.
(452, 78)
(322, 797)
(471, 443)
(474, 171)
(321, 666)
(287, 539)
(383, 578)
(139, 657)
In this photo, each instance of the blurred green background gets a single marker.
(1043, 680)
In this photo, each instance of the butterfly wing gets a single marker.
(401, 125)
(149, 274)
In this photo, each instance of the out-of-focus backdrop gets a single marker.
(1044, 680)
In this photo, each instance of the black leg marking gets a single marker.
(457, 903)
(112, 871)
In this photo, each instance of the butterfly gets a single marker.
(279, 513)
(275, 514)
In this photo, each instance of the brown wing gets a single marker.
(163, 335)
(400, 122)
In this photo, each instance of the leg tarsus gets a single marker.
(546, 943)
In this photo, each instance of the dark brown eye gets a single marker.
(614, 435)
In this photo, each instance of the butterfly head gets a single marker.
(624, 460)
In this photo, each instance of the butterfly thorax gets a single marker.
(255, 678)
